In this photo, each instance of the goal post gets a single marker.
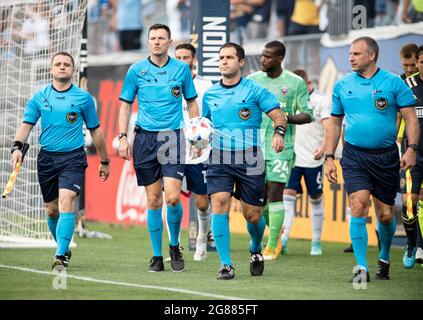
(30, 33)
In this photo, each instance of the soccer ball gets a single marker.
(199, 132)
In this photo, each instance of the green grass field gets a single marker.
(117, 269)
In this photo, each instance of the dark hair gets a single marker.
(371, 45)
(302, 74)
(240, 52)
(63, 53)
(408, 51)
(278, 46)
(419, 52)
(160, 26)
(187, 46)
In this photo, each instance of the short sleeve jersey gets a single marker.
(159, 91)
(370, 107)
(236, 113)
(62, 115)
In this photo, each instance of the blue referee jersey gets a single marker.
(159, 91)
(236, 113)
(370, 107)
(62, 115)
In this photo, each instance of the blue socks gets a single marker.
(386, 234)
(256, 232)
(155, 229)
(52, 225)
(358, 233)
(174, 218)
(64, 232)
(221, 235)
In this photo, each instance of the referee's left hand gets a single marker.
(408, 160)
(104, 171)
(277, 143)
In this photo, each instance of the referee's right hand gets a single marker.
(16, 157)
(330, 171)
(125, 151)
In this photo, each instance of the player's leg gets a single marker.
(419, 252)
(314, 183)
(289, 198)
(220, 184)
(386, 229)
(196, 182)
(250, 191)
(277, 175)
(410, 222)
(174, 211)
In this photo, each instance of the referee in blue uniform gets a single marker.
(369, 98)
(235, 106)
(62, 107)
(160, 82)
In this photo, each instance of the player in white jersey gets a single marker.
(195, 172)
(309, 151)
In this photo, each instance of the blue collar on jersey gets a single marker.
(229, 86)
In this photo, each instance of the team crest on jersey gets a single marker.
(71, 117)
(284, 91)
(176, 92)
(244, 113)
(381, 103)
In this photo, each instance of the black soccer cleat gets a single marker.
(256, 264)
(360, 276)
(156, 264)
(68, 256)
(177, 263)
(382, 272)
(349, 249)
(59, 263)
(226, 272)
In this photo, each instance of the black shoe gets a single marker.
(382, 272)
(349, 249)
(68, 256)
(59, 263)
(226, 273)
(256, 264)
(156, 264)
(176, 261)
(360, 276)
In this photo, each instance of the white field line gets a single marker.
(126, 284)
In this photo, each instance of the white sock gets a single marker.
(203, 224)
(317, 217)
(289, 203)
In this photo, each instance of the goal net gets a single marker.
(30, 33)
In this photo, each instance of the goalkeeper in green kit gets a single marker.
(291, 92)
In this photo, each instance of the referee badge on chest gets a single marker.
(284, 91)
(381, 103)
(176, 91)
(244, 113)
(71, 117)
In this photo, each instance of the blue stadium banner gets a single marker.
(210, 29)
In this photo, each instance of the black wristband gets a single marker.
(327, 156)
(413, 146)
(280, 130)
(121, 135)
(105, 162)
(16, 145)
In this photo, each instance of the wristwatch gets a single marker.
(327, 156)
(121, 135)
(105, 162)
(413, 146)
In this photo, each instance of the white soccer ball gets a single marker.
(199, 132)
